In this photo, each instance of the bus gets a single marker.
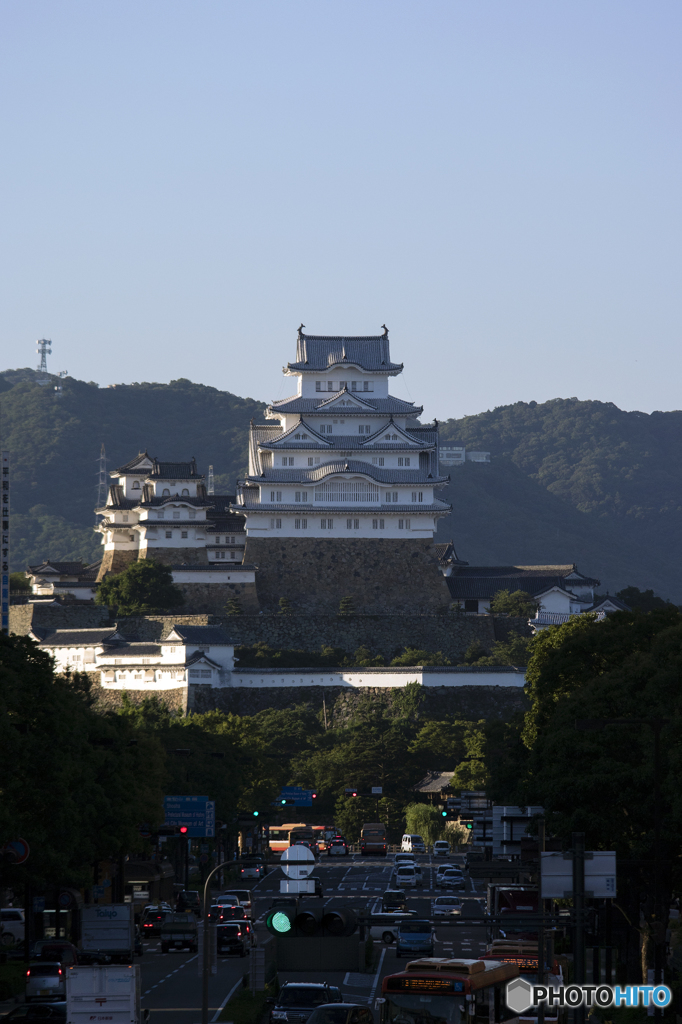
(284, 836)
(373, 838)
(441, 991)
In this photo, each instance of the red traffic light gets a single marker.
(183, 830)
(314, 796)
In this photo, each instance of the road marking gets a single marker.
(227, 998)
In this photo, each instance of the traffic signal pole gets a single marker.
(206, 953)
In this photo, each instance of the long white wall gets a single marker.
(388, 677)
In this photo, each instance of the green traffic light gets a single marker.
(444, 814)
(255, 814)
(281, 923)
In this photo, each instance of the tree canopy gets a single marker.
(143, 588)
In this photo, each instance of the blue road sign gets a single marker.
(195, 813)
(300, 797)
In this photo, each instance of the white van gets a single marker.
(11, 925)
(412, 844)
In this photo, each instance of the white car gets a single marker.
(412, 844)
(441, 848)
(406, 876)
(446, 905)
(12, 922)
(442, 868)
(227, 900)
(244, 897)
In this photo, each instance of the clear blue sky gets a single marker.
(497, 180)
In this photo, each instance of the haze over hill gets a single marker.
(568, 481)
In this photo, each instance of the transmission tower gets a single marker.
(102, 478)
(211, 487)
(44, 346)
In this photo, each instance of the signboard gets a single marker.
(39, 904)
(195, 813)
(377, 790)
(557, 875)
(295, 796)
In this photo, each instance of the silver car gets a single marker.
(445, 905)
(45, 981)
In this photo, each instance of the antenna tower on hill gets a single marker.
(44, 348)
(102, 478)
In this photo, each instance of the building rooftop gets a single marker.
(482, 581)
(434, 782)
(322, 351)
(203, 635)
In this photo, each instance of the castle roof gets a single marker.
(471, 581)
(58, 568)
(384, 406)
(204, 635)
(140, 466)
(326, 469)
(321, 352)
(437, 509)
(78, 637)
(176, 470)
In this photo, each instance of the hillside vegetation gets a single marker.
(569, 481)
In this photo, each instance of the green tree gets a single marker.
(363, 658)
(412, 656)
(515, 650)
(143, 588)
(347, 606)
(516, 603)
(426, 821)
(19, 584)
(234, 606)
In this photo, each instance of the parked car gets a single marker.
(297, 1000)
(244, 897)
(441, 848)
(189, 900)
(235, 937)
(341, 1013)
(444, 906)
(179, 931)
(12, 924)
(338, 848)
(45, 981)
(412, 844)
(38, 1011)
(406, 876)
(415, 938)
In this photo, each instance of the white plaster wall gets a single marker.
(258, 524)
(555, 603)
(373, 677)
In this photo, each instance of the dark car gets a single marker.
(152, 921)
(56, 950)
(393, 899)
(38, 1011)
(222, 914)
(234, 937)
(415, 938)
(341, 1013)
(189, 900)
(297, 1000)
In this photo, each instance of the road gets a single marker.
(171, 985)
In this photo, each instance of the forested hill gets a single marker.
(569, 481)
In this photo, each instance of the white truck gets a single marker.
(107, 934)
(110, 995)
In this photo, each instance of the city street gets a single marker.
(171, 986)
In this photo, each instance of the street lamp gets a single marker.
(594, 724)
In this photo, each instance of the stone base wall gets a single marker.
(115, 561)
(176, 556)
(506, 625)
(23, 617)
(212, 597)
(387, 635)
(112, 700)
(382, 576)
(468, 702)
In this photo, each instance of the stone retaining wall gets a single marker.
(381, 575)
(387, 635)
(23, 617)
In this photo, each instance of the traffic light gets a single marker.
(183, 830)
(255, 814)
(444, 813)
(352, 791)
(314, 795)
(288, 802)
(309, 921)
(467, 824)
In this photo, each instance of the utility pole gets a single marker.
(579, 913)
(541, 908)
(102, 478)
(44, 348)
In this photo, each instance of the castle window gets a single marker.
(132, 536)
(297, 437)
(183, 533)
(407, 524)
(326, 524)
(391, 496)
(279, 495)
(291, 461)
(275, 524)
(233, 555)
(401, 524)
(160, 515)
(330, 385)
(169, 533)
(166, 493)
(381, 524)
(381, 460)
(318, 385)
(284, 460)
(352, 524)
(304, 436)
(343, 384)
(364, 428)
(300, 524)
(407, 460)
(217, 540)
(136, 485)
(354, 385)
(365, 385)
(185, 492)
(377, 524)
(176, 515)
(310, 461)
(417, 495)
(192, 515)
(125, 517)
(317, 460)
(272, 495)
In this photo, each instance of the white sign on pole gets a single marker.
(557, 875)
